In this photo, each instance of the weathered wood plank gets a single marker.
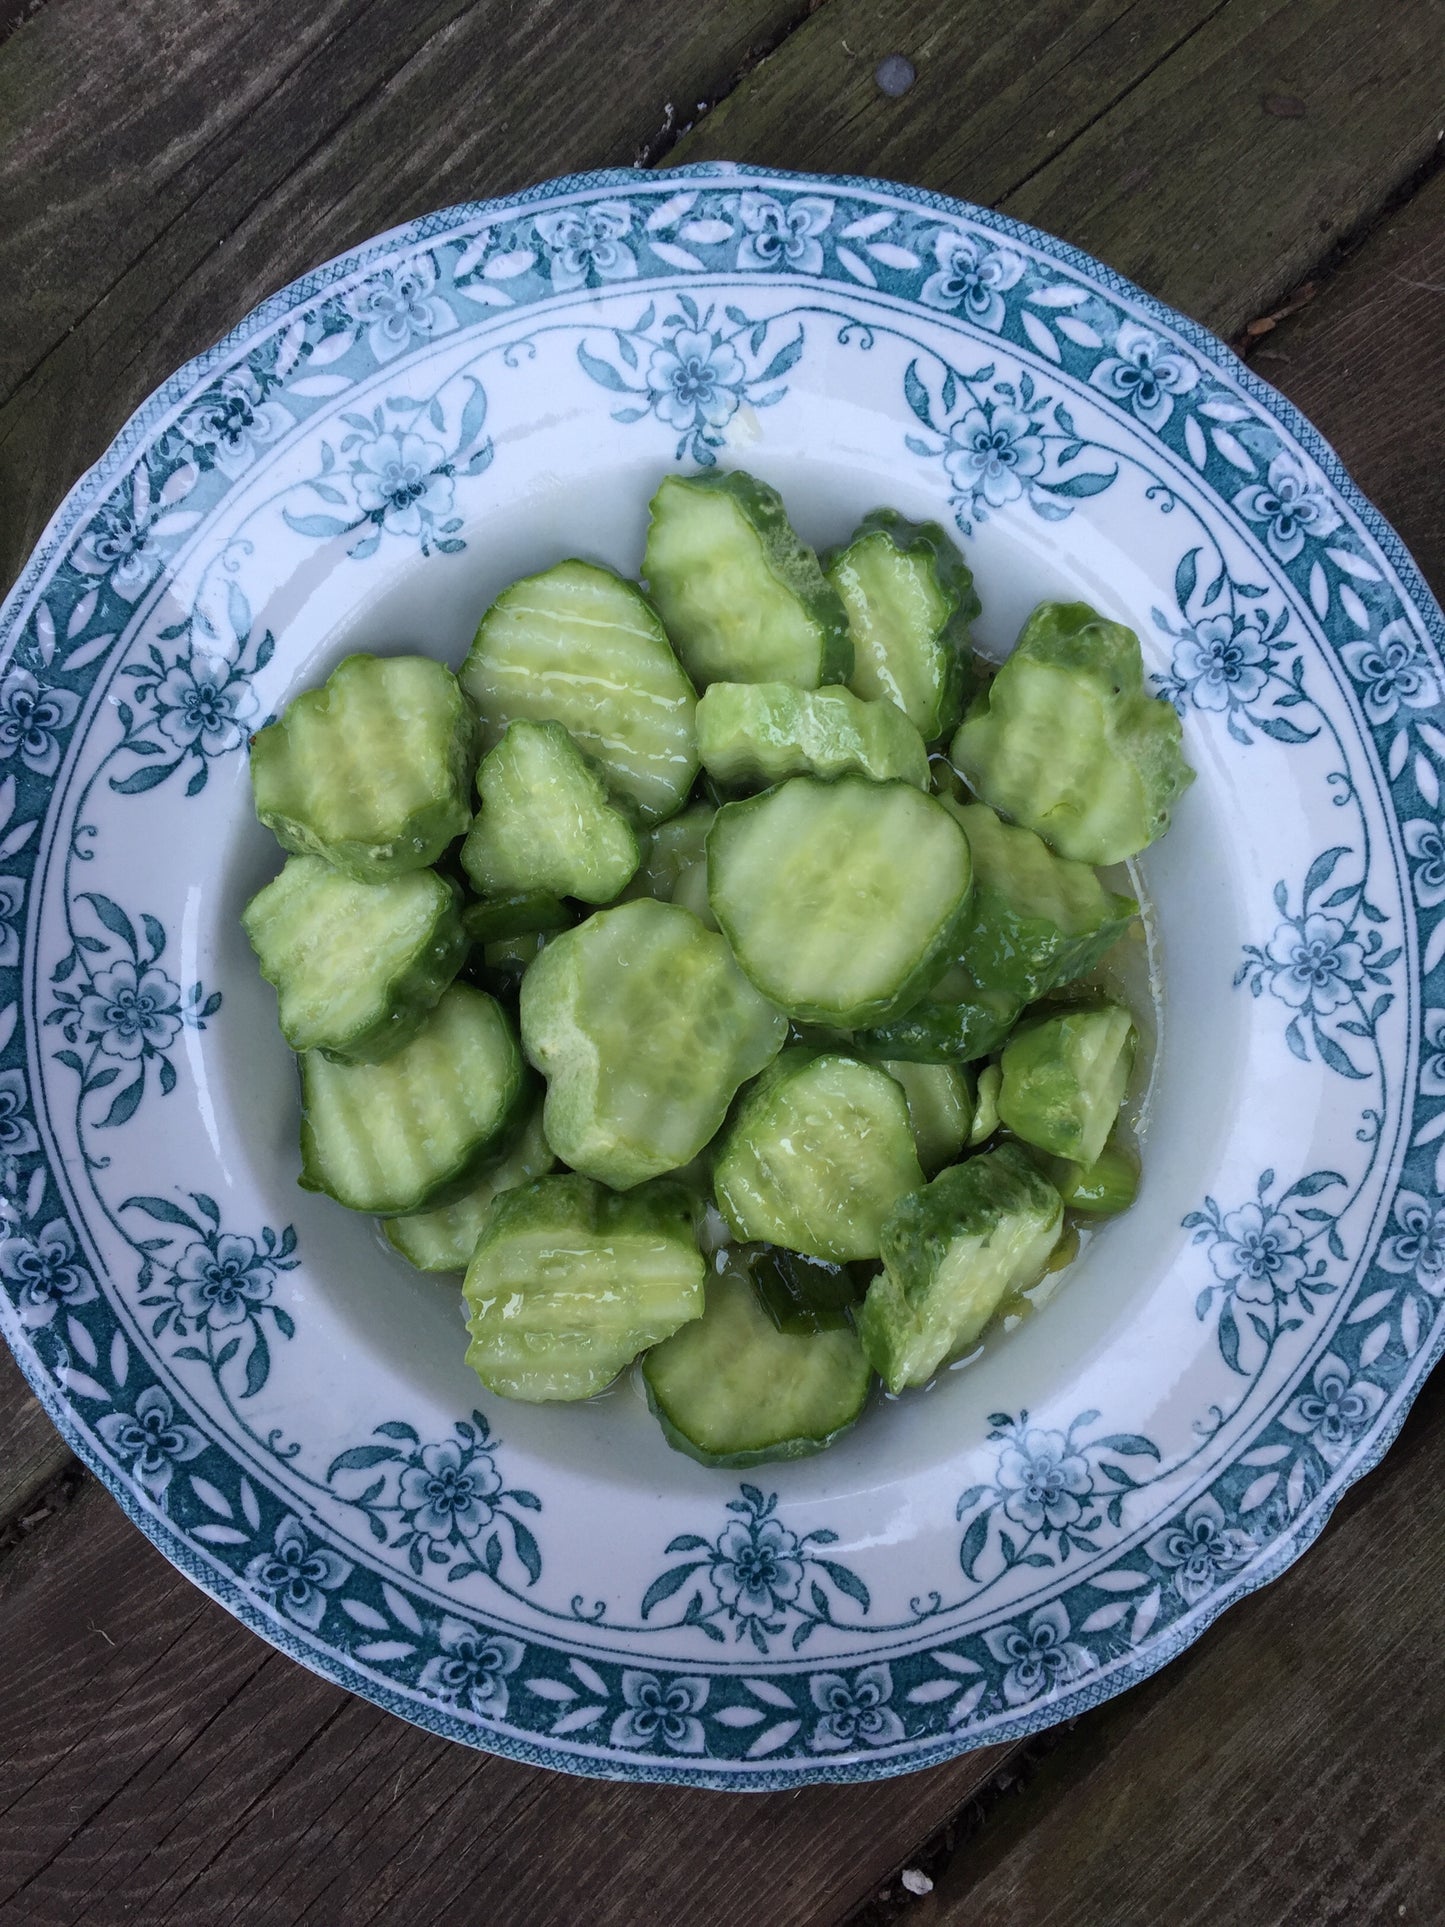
(32, 1452)
(158, 1762)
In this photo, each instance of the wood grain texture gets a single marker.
(32, 1452)
(158, 1762)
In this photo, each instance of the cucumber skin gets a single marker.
(744, 1461)
(788, 557)
(754, 735)
(524, 913)
(1041, 1098)
(938, 1032)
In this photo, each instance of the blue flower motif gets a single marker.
(1200, 1549)
(1041, 1657)
(43, 1268)
(854, 1713)
(1220, 663)
(12, 901)
(657, 1712)
(971, 276)
(1334, 1414)
(1146, 372)
(233, 422)
(221, 1280)
(587, 241)
(31, 719)
(205, 703)
(296, 1576)
(695, 380)
(17, 1137)
(757, 1570)
(1425, 843)
(152, 1439)
(473, 1666)
(1045, 1481)
(1394, 669)
(399, 306)
(1292, 505)
(401, 483)
(1417, 1248)
(123, 540)
(130, 1010)
(450, 1493)
(1259, 1255)
(992, 452)
(783, 237)
(1432, 1056)
(1316, 963)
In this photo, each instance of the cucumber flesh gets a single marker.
(674, 863)
(751, 734)
(579, 646)
(569, 1282)
(372, 770)
(644, 1027)
(444, 1240)
(819, 1152)
(985, 1116)
(1065, 1073)
(546, 824)
(413, 1132)
(356, 966)
(842, 901)
(732, 1389)
(742, 598)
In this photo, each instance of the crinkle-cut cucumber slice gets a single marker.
(750, 734)
(1065, 1073)
(1098, 1190)
(955, 1023)
(521, 913)
(412, 1133)
(444, 1239)
(674, 863)
(842, 901)
(818, 1153)
(372, 770)
(951, 1253)
(644, 1028)
(1037, 920)
(731, 1389)
(356, 966)
(910, 599)
(743, 599)
(579, 646)
(545, 823)
(569, 1282)
(940, 1108)
(1069, 742)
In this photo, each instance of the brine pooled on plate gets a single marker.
(757, 1034)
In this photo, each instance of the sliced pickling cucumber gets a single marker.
(985, 1115)
(801, 1294)
(754, 733)
(579, 646)
(951, 1253)
(1037, 920)
(444, 1240)
(569, 1282)
(644, 1027)
(732, 1390)
(413, 1133)
(818, 1154)
(674, 863)
(842, 901)
(523, 913)
(743, 599)
(545, 823)
(1065, 1073)
(955, 1023)
(1069, 742)
(910, 598)
(1098, 1190)
(372, 770)
(356, 966)
(940, 1109)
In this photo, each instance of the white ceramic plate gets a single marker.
(285, 1408)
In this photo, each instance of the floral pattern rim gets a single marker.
(125, 1007)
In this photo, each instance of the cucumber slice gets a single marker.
(842, 901)
(1064, 1078)
(801, 1294)
(1068, 741)
(568, 1283)
(444, 1240)
(742, 598)
(413, 1133)
(951, 1254)
(985, 1116)
(644, 1028)
(956, 1023)
(755, 733)
(507, 961)
(733, 1390)
(1098, 1190)
(579, 646)
(940, 1109)
(372, 770)
(356, 966)
(524, 913)
(818, 1154)
(674, 863)
(1037, 920)
(545, 823)
(910, 599)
